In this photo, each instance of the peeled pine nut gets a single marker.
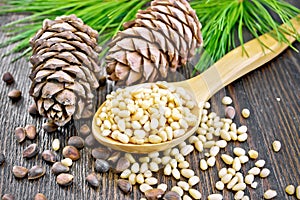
(269, 194)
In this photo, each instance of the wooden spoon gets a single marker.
(229, 68)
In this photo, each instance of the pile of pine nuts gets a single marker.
(153, 114)
(213, 135)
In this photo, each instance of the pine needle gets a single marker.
(224, 21)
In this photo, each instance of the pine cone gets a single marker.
(65, 69)
(162, 37)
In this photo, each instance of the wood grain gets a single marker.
(258, 91)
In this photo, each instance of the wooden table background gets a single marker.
(258, 91)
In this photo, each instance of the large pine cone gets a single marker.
(162, 37)
(65, 69)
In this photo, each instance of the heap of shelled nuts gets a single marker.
(153, 114)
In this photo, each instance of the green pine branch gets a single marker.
(224, 21)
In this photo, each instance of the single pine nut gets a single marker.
(239, 151)
(231, 171)
(219, 185)
(140, 179)
(249, 178)
(227, 159)
(260, 163)
(242, 137)
(222, 172)
(239, 186)
(184, 185)
(173, 163)
(290, 189)
(144, 187)
(151, 181)
(215, 197)
(176, 173)
(239, 195)
(153, 166)
(221, 143)
(199, 145)
(193, 180)
(187, 173)
(240, 177)
(195, 193)
(135, 168)
(227, 178)
(226, 100)
(242, 129)
(184, 165)
(276, 146)
(245, 198)
(148, 174)
(253, 154)
(132, 178)
(144, 167)
(254, 185)
(244, 159)
(67, 162)
(236, 165)
(55, 144)
(125, 174)
(254, 171)
(167, 170)
(214, 151)
(163, 187)
(211, 161)
(298, 192)
(203, 164)
(245, 113)
(177, 189)
(186, 197)
(186, 150)
(269, 194)
(232, 183)
(264, 173)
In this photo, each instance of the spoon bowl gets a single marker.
(232, 66)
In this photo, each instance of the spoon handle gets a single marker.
(237, 63)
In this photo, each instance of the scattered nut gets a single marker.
(171, 195)
(15, 95)
(114, 157)
(20, 134)
(8, 78)
(101, 153)
(230, 112)
(124, 185)
(101, 166)
(49, 156)
(298, 192)
(154, 194)
(122, 164)
(30, 151)
(19, 171)
(59, 168)
(36, 172)
(30, 131)
(8, 197)
(92, 179)
(84, 130)
(253, 154)
(40, 196)
(64, 179)
(71, 152)
(32, 110)
(76, 141)
(50, 127)
(215, 197)
(264, 173)
(90, 141)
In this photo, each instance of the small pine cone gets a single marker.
(65, 69)
(162, 37)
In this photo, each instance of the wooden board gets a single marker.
(271, 93)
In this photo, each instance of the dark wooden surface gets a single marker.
(258, 91)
